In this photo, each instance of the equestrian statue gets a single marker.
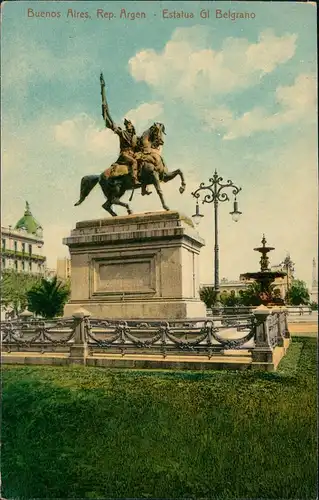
(139, 164)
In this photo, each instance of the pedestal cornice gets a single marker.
(139, 227)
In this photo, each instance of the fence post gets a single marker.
(78, 350)
(280, 325)
(262, 353)
(286, 332)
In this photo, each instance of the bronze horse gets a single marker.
(152, 171)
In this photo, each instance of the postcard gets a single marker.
(159, 159)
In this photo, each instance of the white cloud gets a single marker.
(296, 103)
(82, 134)
(144, 114)
(270, 51)
(188, 64)
(301, 97)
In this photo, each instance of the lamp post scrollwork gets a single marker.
(216, 192)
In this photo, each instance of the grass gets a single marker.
(94, 433)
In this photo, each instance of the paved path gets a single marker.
(306, 330)
(232, 358)
(303, 325)
(304, 318)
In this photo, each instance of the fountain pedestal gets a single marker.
(265, 277)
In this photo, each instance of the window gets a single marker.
(16, 265)
(30, 249)
(23, 247)
(30, 266)
(3, 244)
(15, 246)
(3, 263)
(23, 265)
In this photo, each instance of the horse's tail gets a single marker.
(87, 184)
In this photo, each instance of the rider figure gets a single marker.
(128, 149)
(128, 143)
(128, 146)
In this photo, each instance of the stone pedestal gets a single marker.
(136, 267)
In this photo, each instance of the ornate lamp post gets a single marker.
(215, 193)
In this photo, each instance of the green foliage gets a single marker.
(48, 297)
(314, 306)
(297, 293)
(248, 297)
(15, 286)
(207, 295)
(251, 295)
(81, 432)
(229, 299)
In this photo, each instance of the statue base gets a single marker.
(142, 266)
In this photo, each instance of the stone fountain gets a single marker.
(265, 277)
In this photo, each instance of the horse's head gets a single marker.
(156, 134)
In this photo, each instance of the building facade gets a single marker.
(226, 285)
(63, 269)
(21, 246)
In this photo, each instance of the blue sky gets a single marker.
(239, 96)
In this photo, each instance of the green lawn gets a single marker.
(95, 433)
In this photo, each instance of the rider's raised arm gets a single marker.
(108, 120)
(117, 130)
(111, 125)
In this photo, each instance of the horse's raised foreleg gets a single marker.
(107, 207)
(159, 191)
(116, 201)
(168, 176)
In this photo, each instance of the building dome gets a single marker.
(28, 223)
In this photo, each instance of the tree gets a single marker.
(48, 298)
(229, 299)
(297, 293)
(208, 295)
(251, 295)
(14, 288)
